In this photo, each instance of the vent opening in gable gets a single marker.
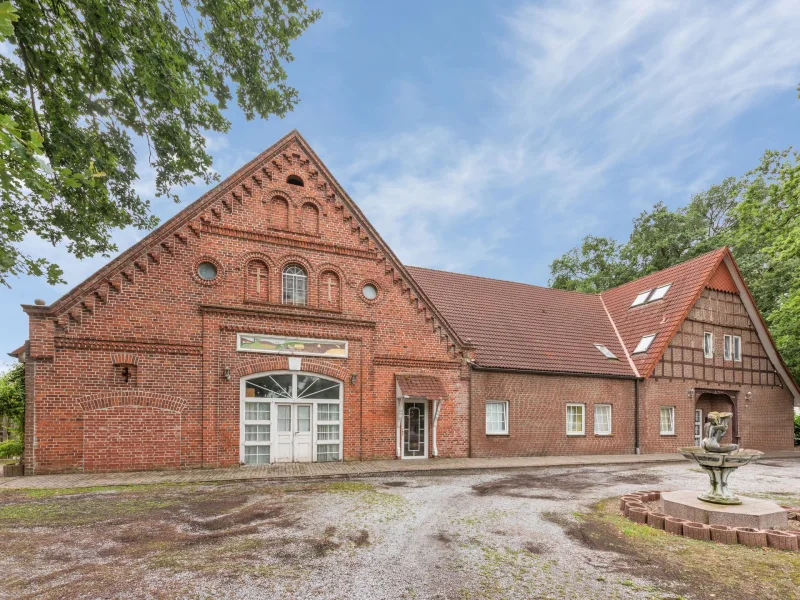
(295, 180)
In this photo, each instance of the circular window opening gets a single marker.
(207, 271)
(370, 291)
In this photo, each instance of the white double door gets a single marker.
(293, 433)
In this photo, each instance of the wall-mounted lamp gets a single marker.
(227, 373)
(690, 393)
(353, 379)
(748, 396)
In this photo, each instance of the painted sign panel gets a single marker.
(276, 344)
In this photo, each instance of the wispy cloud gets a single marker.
(632, 94)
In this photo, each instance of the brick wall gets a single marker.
(148, 324)
(537, 414)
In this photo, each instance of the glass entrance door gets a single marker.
(415, 432)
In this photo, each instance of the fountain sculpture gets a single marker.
(719, 460)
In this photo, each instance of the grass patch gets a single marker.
(50, 492)
(75, 512)
(702, 567)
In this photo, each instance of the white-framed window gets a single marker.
(651, 295)
(257, 425)
(576, 419)
(606, 352)
(641, 298)
(659, 292)
(737, 348)
(602, 419)
(728, 347)
(496, 417)
(329, 432)
(295, 285)
(644, 343)
(708, 344)
(667, 420)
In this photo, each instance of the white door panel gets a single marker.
(284, 435)
(302, 433)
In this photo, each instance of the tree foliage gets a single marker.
(88, 78)
(757, 215)
(12, 407)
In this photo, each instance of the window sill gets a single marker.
(603, 435)
(669, 435)
(498, 435)
(576, 435)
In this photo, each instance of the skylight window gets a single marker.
(659, 292)
(648, 296)
(641, 298)
(644, 343)
(606, 352)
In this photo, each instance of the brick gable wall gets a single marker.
(172, 335)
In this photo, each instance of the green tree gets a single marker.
(12, 408)
(89, 77)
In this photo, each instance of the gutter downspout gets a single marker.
(636, 447)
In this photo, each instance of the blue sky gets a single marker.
(490, 137)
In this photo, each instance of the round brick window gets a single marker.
(207, 271)
(370, 291)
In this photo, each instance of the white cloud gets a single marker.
(629, 92)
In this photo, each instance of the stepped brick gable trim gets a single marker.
(131, 398)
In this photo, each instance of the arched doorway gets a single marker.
(290, 416)
(712, 402)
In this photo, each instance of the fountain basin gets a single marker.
(719, 466)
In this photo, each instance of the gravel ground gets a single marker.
(501, 534)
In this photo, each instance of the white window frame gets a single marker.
(583, 418)
(641, 298)
(504, 404)
(671, 410)
(294, 280)
(658, 294)
(737, 348)
(728, 347)
(606, 352)
(610, 419)
(294, 399)
(708, 349)
(644, 343)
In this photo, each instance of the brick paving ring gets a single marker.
(635, 507)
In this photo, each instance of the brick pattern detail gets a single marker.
(124, 358)
(131, 398)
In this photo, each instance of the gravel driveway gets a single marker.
(501, 534)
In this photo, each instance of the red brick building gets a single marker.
(269, 322)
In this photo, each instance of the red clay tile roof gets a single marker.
(421, 386)
(662, 317)
(526, 327)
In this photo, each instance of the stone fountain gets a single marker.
(718, 505)
(719, 460)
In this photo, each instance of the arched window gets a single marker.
(280, 213)
(295, 180)
(329, 290)
(295, 285)
(257, 282)
(310, 218)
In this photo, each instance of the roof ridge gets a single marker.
(531, 285)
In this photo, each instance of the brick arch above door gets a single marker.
(263, 364)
